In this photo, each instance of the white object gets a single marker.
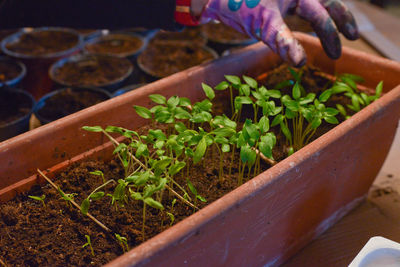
(378, 252)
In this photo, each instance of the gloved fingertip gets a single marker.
(297, 55)
(330, 40)
(351, 31)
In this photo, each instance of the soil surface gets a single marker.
(115, 44)
(295, 23)
(13, 106)
(8, 70)
(188, 35)
(220, 33)
(92, 71)
(32, 234)
(43, 42)
(68, 102)
(163, 59)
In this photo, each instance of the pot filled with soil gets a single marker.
(277, 205)
(66, 101)
(15, 111)
(221, 37)
(160, 60)
(117, 44)
(11, 72)
(127, 88)
(91, 70)
(38, 48)
(191, 35)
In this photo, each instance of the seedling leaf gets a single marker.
(208, 91)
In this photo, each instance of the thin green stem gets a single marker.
(146, 168)
(144, 220)
(221, 166)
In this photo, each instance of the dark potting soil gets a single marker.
(161, 60)
(220, 33)
(43, 42)
(53, 235)
(187, 35)
(8, 70)
(93, 71)
(115, 44)
(295, 23)
(13, 106)
(68, 102)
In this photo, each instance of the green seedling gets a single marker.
(89, 244)
(159, 161)
(99, 173)
(123, 242)
(170, 214)
(195, 193)
(41, 199)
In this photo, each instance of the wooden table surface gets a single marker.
(379, 215)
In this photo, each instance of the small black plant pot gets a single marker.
(11, 72)
(128, 45)
(66, 101)
(91, 71)
(16, 107)
(221, 37)
(126, 89)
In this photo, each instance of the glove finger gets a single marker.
(275, 33)
(343, 18)
(323, 25)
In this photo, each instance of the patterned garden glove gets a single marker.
(263, 20)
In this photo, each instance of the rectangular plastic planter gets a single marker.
(266, 220)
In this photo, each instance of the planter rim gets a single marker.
(19, 77)
(33, 102)
(42, 101)
(152, 73)
(118, 35)
(17, 35)
(79, 57)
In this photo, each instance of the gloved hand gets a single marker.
(263, 20)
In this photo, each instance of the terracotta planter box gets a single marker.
(264, 221)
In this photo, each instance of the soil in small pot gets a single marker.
(187, 35)
(34, 234)
(115, 44)
(295, 23)
(92, 71)
(8, 70)
(220, 33)
(161, 60)
(39, 43)
(69, 101)
(13, 106)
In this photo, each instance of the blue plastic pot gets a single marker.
(110, 85)
(131, 55)
(127, 89)
(14, 82)
(37, 80)
(45, 100)
(20, 124)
